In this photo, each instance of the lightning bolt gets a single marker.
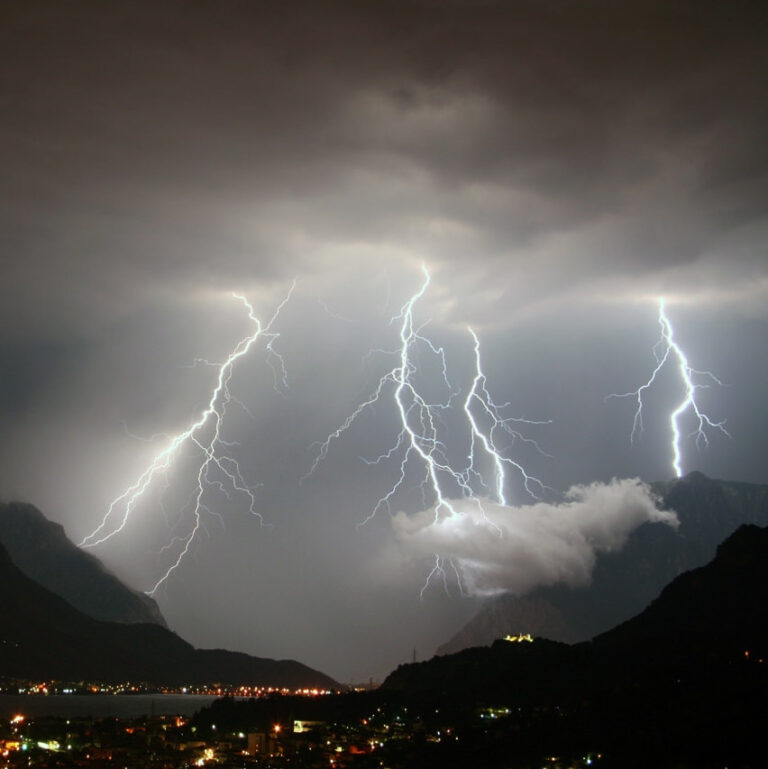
(667, 349)
(205, 436)
(419, 440)
(479, 394)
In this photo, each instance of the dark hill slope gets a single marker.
(670, 689)
(43, 637)
(713, 613)
(41, 549)
(684, 685)
(704, 620)
(625, 582)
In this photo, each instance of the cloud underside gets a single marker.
(498, 549)
(547, 151)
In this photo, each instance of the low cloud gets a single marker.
(500, 549)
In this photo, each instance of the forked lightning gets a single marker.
(667, 348)
(420, 442)
(205, 434)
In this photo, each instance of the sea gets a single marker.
(101, 705)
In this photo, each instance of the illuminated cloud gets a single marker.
(515, 549)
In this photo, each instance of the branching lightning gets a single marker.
(664, 349)
(419, 440)
(217, 469)
(479, 394)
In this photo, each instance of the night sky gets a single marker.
(556, 167)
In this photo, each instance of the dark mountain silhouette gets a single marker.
(684, 684)
(709, 618)
(712, 615)
(43, 637)
(625, 582)
(41, 549)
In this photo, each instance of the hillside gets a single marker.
(43, 637)
(41, 550)
(683, 684)
(706, 618)
(625, 582)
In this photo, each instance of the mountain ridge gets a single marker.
(624, 583)
(670, 688)
(41, 549)
(682, 685)
(43, 637)
(707, 617)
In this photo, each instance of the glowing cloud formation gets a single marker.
(421, 443)
(216, 469)
(514, 549)
(666, 348)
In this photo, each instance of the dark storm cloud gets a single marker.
(555, 164)
(178, 145)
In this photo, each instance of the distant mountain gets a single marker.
(683, 685)
(43, 637)
(625, 582)
(708, 622)
(41, 549)
(715, 614)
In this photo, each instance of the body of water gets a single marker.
(102, 705)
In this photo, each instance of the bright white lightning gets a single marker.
(419, 441)
(665, 348)
(479, 394)
(205, 435)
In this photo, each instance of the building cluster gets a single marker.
(154, 743)
(385, 737)
(21, 686)
(164, 742)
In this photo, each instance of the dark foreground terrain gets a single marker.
(42, 638)
(625, 581)
(684, 684)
